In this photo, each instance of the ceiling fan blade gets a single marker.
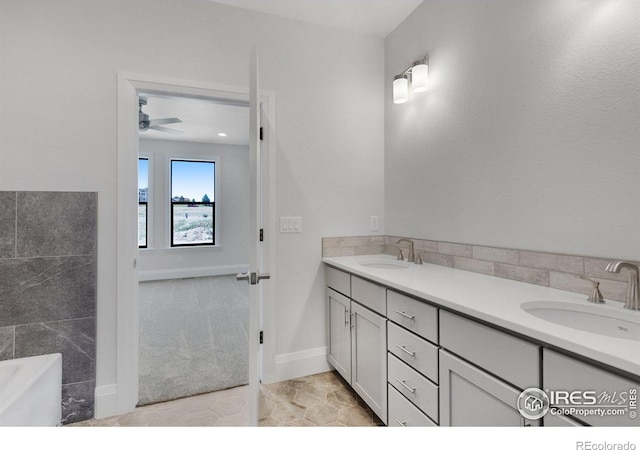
(165, 129)
(165, 121)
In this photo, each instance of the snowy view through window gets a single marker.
(192, 202)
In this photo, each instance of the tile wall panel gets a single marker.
(48, 286)
(555, 270)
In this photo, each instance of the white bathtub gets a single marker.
(31, 391)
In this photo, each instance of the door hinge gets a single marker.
(261, 234)
(261, 134)
(261, 337)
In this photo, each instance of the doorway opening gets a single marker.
(193, 192)
(123, 396)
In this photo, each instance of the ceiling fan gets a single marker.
(144, 123)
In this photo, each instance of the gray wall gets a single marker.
(48, 287)
(60, 62)
(528, 135)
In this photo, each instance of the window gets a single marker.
(192, 203)
(143, 201)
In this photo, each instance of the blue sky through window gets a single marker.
(143, 173)
(193, 179)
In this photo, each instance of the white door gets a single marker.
(254, 275)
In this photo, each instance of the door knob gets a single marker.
(253, 277)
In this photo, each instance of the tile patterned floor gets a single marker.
(317, 400)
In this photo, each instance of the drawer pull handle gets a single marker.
(401, 423)
(404, 349)
(404, 314)
(404, 385)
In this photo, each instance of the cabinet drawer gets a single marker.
(501, 354)
(563, 373)
(413, 350)
(338, 280)
(414, 315)
(415, 387)
(369, 294)
(403, 413)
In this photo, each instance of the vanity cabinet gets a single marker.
(357, 345)
(416, 363)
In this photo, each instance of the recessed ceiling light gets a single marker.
(222, 134)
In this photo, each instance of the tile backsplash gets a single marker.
(48, 287)
(546, 269)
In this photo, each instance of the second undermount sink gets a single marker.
(605, 321)
(385, 264)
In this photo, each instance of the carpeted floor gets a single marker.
(193, 337)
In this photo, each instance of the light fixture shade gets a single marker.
(400, 89)
(419, 77)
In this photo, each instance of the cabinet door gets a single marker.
(472, 397)
(339, 352)
(369, 358)
(593, 395)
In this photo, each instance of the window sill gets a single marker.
(172, 249)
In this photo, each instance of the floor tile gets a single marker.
(318, 400)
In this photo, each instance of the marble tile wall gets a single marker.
(48, 287)
(546, 269)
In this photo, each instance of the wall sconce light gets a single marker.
(416, 75)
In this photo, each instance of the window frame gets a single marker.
(148, 203)
(214, 203)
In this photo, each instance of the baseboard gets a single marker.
(172, 274)
(106, 401)
(299, 364)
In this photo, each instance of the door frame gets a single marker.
(123, 397)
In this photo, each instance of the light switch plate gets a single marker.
(290, 224)
(374, 223)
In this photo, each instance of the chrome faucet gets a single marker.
(631, 299)
(411, 257)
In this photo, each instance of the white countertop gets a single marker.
(498, 301)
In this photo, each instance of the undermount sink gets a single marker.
(621, 324)
(385, 264)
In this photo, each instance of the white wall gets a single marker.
(58, 88)
(529, 136)
(231, 252)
